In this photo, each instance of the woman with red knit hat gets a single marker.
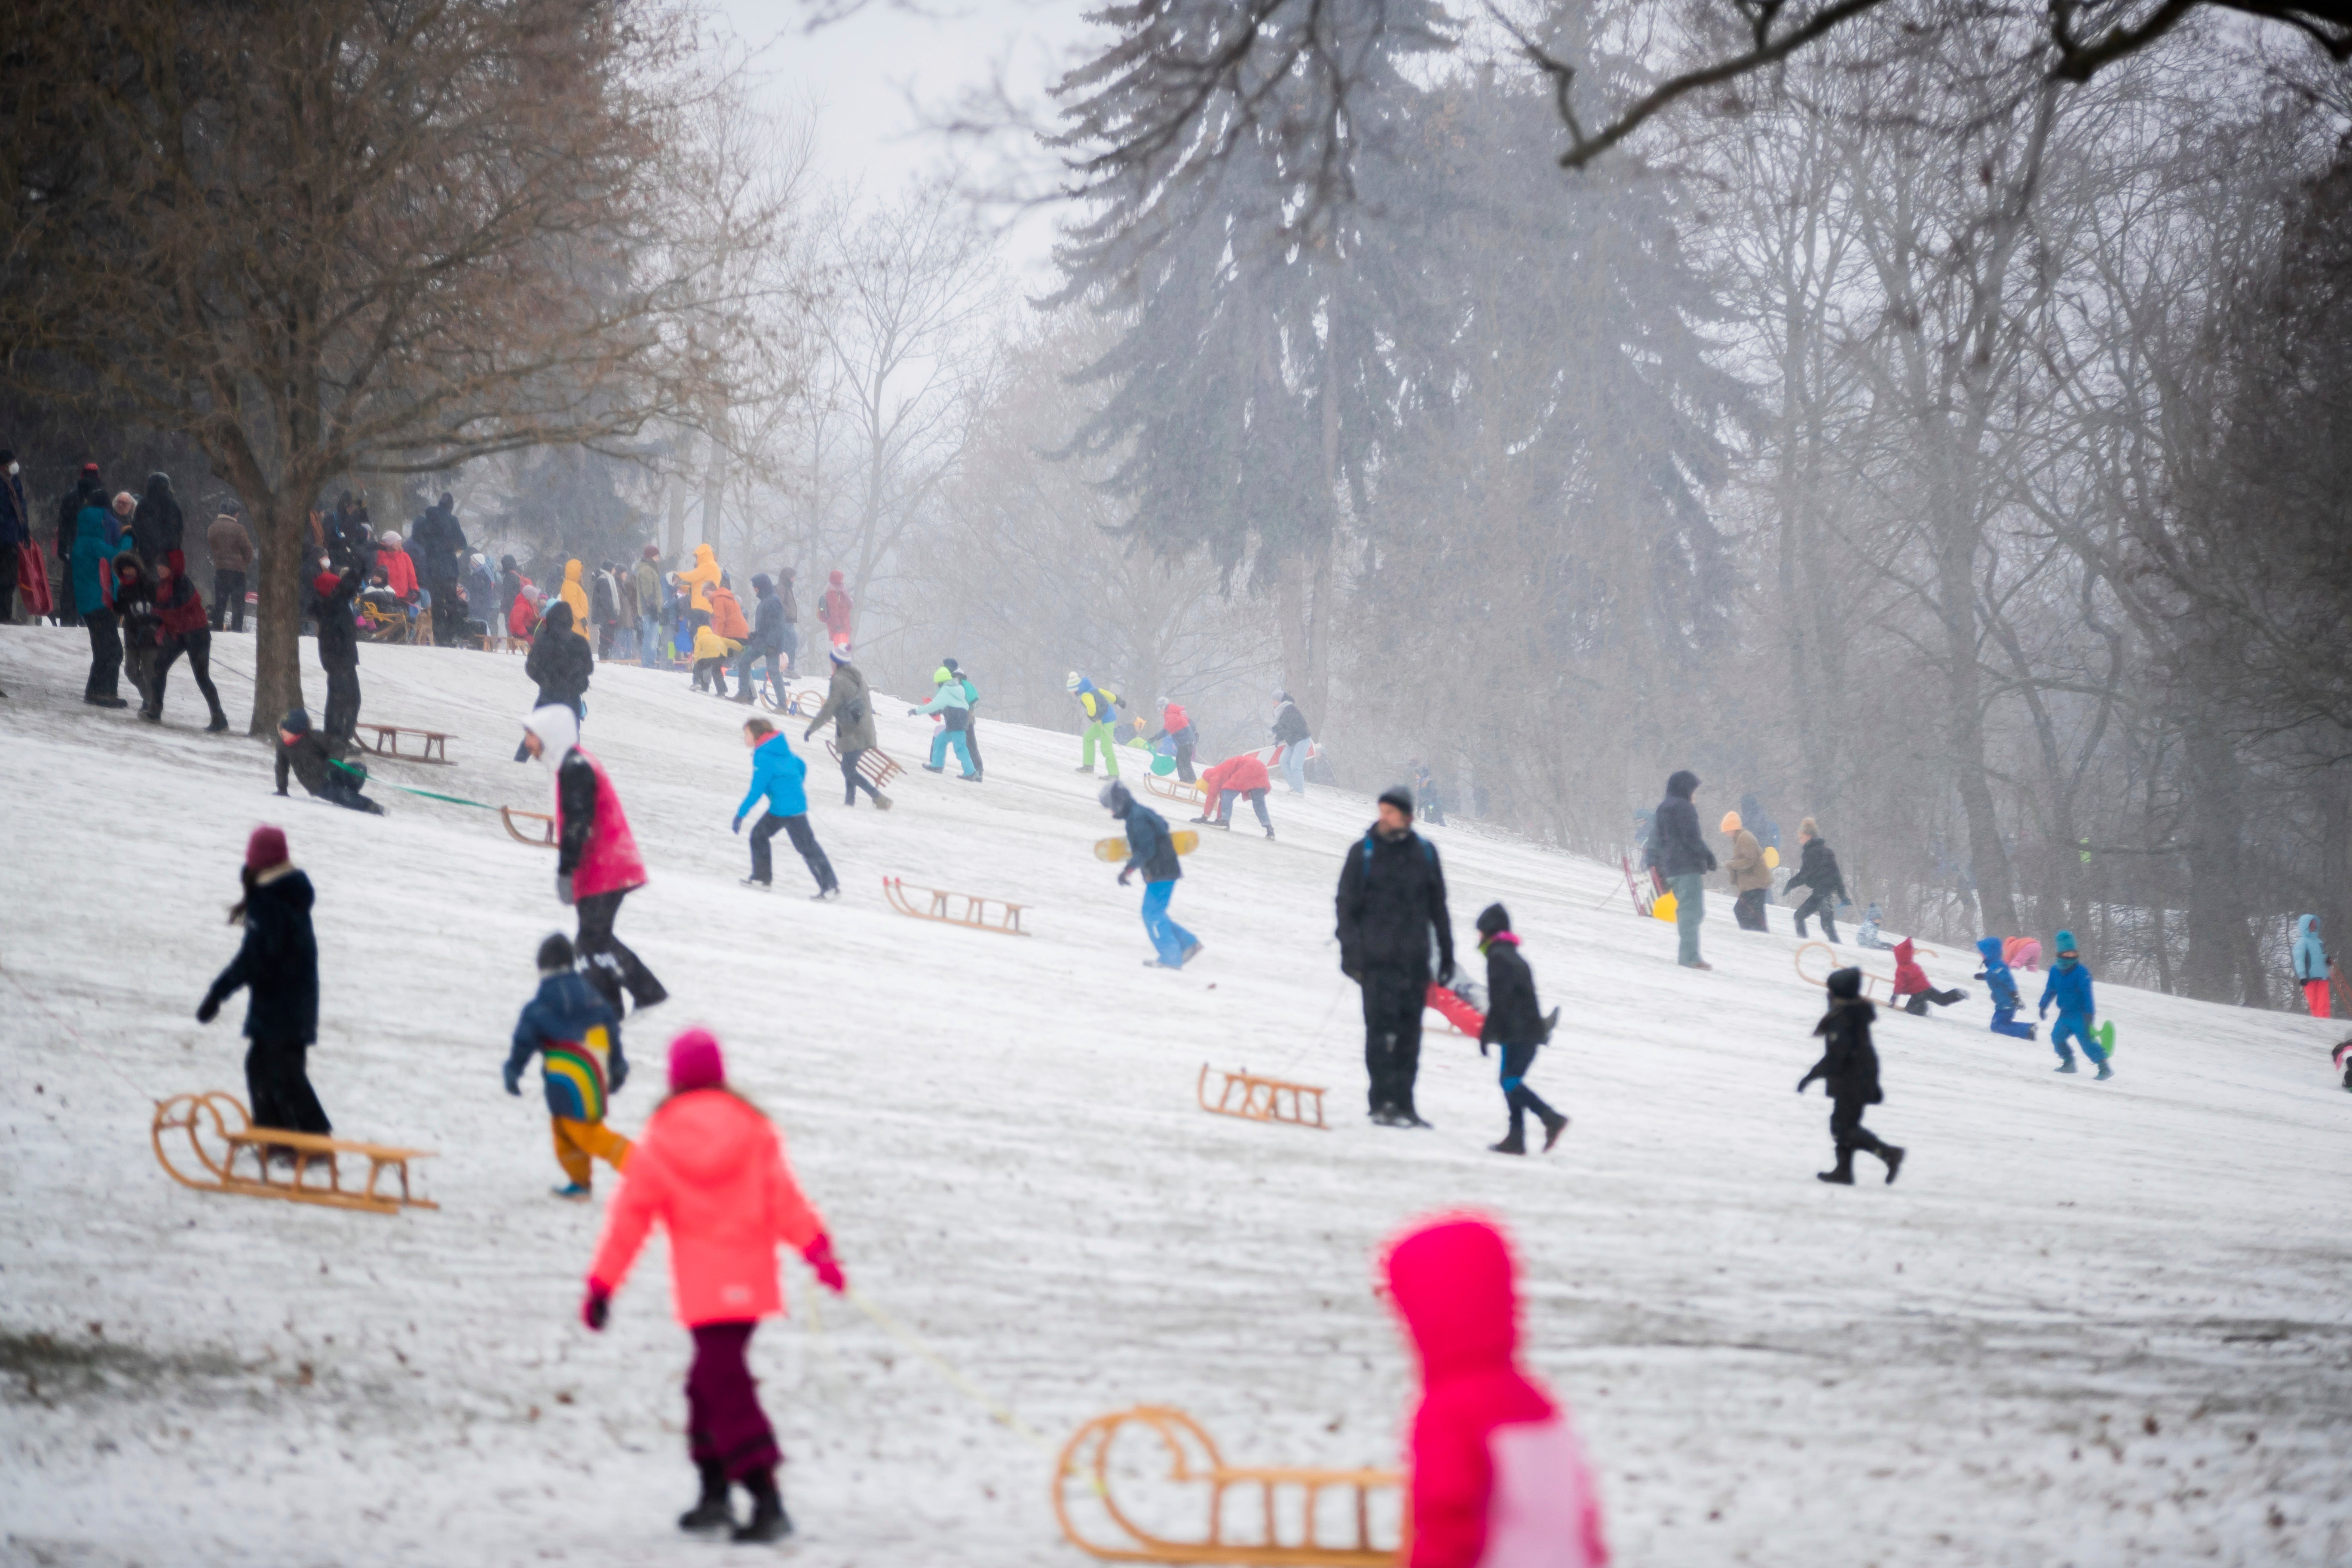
(278, 967)
(710, 1167)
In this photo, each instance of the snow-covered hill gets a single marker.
(2094, 1323)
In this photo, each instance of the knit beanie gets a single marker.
(841, 653)
(1845, 984)
(297, 722)
(1731, 822)
(1399, 796)
(694, 1061)
(266, 849)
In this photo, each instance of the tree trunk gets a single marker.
(280, 550)
(2216, 919)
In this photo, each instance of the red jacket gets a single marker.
(1239, 773)
(712, 1170)
(1174, 719)
(1496, 1477)
(179, 609)
(1909, 978)
(399, 571)
(835, 608)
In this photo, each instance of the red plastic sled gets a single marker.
(1465, 1019)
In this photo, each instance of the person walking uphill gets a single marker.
(2311, 965)
(851, 709)
(1680, 856)
(2070, 986)
(1176, 727)
(971, 715)
(576, 1035)
(1818, 874)
(954, 709)
(1495, 1475)
(181, 627)
(1749, 876)
(1098, 710)
(1392, 908)
(778, 775)
(1151, 850)
(710, 1168)
(767, 641)
(1849, 1071)
(835, 610)
(231, 549)
(559, 661)
(1515, 1023)
(1292, 734)
(276, 966)
(596, 856)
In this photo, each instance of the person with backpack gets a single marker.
(597, 863)
(1292, 734)
(778, 775)
(847, 704)
(1818, 874)
(576, 1035)
(1680, 855)
(1516, 1025)
(277, 966)
(1098, 711)
(2311, 965)
(1391, 912)
(1151, 850)
(954, 712)
(1849, 1071)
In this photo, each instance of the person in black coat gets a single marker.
(156, 525)
(1392, 907)
(1818, 872)
(278, 967)
(1515, 1023)
(766, 641)
(306, 755)
(339, 650)
(1680, 855)
(439, 547)
(561, 662)
(1849, 1070)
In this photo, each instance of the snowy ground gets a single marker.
(2096, 1323)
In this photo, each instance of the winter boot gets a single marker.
(1270, 833)
(756, 882)
(1514, 1142)
(220, 723)
(823, 896)
(881, 803)
(1892, 1155)
(574, 1191)
(1842, 1175)
(2066, 1066)
(768, 1522)
(2106, 1072)
(151, 715)
(1552, 1131)
(930, 769)
(712, 1512)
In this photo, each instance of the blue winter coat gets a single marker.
(579, 1037)
(2310, 955)
(777, 773)
(1998, 981)
(93, 546)
(1150, 850)
(2070, 988)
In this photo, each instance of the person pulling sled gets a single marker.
(1515, 1025)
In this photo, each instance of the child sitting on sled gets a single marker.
(577, 1038)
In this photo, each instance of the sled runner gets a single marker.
(428, 742)
(544, 837)
(799, 704)
(1176, 789)
(1295, 1507)
(1644, 897)
(222, 1137)
(980, 912)
(1883, 983)
(1255, 1098)
(876, 765)
(1114, 849)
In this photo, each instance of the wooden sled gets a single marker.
(1874, 987)
(1286, 1529)
(428, 742)
(1115, 849)
(1255, 1098)
(980, 912)
(221, 1136)
(1176, 789)
(876, 765)
(1645, 899)
(799, 704)
(544, 837)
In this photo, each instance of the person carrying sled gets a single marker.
(1240, 775)
(1099, 709)
(576, 1035)
(1391, 912)
(181, 627)
(1849, 1071)
(779, 776)
(710, 1168)
(1176, 729)
(1678, 854)
(954, 711)
(2070, 986)
(1516, 1025)
(847, 704)
(1152, 851)
(1296, 738)
(2311, 965)
(277, 966)
(1495, 1477)
(1912, 981)
(2001, 985)
(596, 856)
(1818, 874)
(1750, 878)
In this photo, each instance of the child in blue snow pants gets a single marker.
(2002, 986)
(939, 744)
(2070, 988)
(1171, 939)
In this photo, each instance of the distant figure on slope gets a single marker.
(1749, 876)
(712, 654)
(398, 568)
(560, 662)
(1682, 858)
(954, 711)
(310, 757)
(157, 527)
(2021, 952)
(779, 776)
(1424, 789)
(834, 609)
(1849, 1070)
(652, 626)
(573, 592)
(2002, 987)
(277, 968)
(767, 641)
(92, 574)
(710, 1168)
(1392, 908)
(1516, 1023)
(597, 861)
(2311, 965)
(338, 651)
(970, 719)
(696, 582)
(181, 628)
(847, 704)
(1496, 1477)
(231, 549)
(1098, 710)
(2070, 988)
(576, 1035)
(1152, 851)
(1818, 874)
(1293, 735)
(134, 601)
(1912, 981)
(1240, 775)
(1176, 728)
(1867, 936)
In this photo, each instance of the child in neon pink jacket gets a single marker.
(710, 1167)
(1498, 1478)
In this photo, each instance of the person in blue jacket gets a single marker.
(2070, 988)
(576, 1035)
(777, 773)
(955, 708)
(2006, 1002)
(2311, 965)
(1152, 851)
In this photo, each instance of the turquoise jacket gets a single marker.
(777, 773)
(93, 545)
(2310, 955)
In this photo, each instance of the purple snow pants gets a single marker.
(725, 1425)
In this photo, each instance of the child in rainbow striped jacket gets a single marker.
(577, 1038)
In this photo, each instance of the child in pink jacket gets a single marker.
(1498, 1478)
(710, 1167)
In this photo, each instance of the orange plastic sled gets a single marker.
(1255, 1098)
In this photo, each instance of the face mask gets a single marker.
(13, 470)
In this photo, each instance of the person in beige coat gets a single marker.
(1749, 876)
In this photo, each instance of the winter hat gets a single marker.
(941, 675)
(555, 955)
(1809, 828)
(1494, 918)
(952, 666)
(1072, 683)
(2068, 955)
(1683, 782)
(1280, 695)
(762, 584)
(266, 849)
(653, 553)
(324, 584)
(841, 653)
(89, 470)
(296, 722)
(1731, 822)
(695, 1062)
(1845, 984)
(835, 577)
(1399, 796)
(1115, 798)
(388, 537)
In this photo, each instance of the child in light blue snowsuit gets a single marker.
(2002, 985)
(2070, 988)
(954, 709)
(1868, 935)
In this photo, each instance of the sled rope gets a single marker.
(112, 1064)
(964, 1386)
(371, 778)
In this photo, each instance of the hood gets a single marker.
(159, 487)
(1989, 947)
(710, 1136)
(507, 563)
(1115, 797)
(2308, 925)
(1845, 985)
(703, 557)
(1904, 952)
(835, 578)
(1683, 783)
(1452, 1284)
(558, 615)
(763, 584)
(558, 729)
(1493, 919)
(572, 571)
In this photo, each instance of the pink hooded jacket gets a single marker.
(1498, 1478)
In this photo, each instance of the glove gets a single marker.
(828, 1271)
(597, 1308)
(514, 1080)
(739, 822)
(1805, 1082)
(808, 734)
(1125, 874)
(912, 712)
(563, 887)
(1482, 1047)
(208, 1009)
(1445, 974)
(2046, 1011)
